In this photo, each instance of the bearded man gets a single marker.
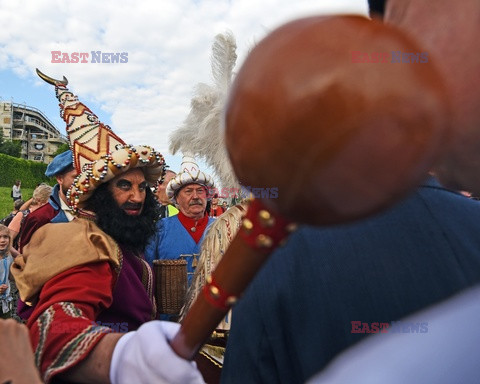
(87, 280)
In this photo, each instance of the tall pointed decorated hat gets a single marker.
(190, 173)
(98, 153)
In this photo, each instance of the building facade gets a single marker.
(38, 136)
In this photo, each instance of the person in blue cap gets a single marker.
(57, 211)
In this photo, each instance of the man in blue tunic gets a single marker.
(180, 236)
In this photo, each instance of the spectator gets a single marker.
(16, 207)
(167, 209)
(40, 198)
(224, 205)
(6, 299)
(16, 190)
(215, 209)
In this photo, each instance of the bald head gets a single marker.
(449, 32)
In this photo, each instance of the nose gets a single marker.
(137, 195)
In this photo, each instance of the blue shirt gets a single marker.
(171, 240)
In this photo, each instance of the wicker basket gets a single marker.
(170, 285)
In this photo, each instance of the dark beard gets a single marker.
(130, 231)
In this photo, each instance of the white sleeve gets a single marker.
(447, 353)
(145, 356)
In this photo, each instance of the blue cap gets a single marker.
(59, 163)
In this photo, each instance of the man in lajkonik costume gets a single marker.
(87, 279)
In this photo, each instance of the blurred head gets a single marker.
(17, 204)
(192, 200)
(41, 194)
(65, 180)
(62, 168)
(4, 239)
(161, 193)
(215, 200)
(448, 31)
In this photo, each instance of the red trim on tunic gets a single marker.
(189, 223)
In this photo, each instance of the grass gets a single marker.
(6, 202)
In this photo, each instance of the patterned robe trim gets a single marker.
(214, 245)
(147, 281)
(117, 268)
(76, 349)
(44, 322)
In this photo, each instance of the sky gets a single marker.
(167, 45)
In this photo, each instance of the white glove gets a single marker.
(145, 356)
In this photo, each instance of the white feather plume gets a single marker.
(202, 131)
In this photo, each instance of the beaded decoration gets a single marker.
(262, 231)
(98, 153)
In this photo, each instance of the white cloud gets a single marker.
(168, 44)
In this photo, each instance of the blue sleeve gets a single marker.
(151, 250)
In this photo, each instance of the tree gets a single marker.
(11, 148)
(62, 148)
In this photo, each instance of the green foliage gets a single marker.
(29, 172)
(6, 202)
(62, 148)
(11, 148)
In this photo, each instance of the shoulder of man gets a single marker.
(54, 248)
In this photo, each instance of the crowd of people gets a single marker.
(82, 254)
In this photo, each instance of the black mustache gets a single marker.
(131, 206)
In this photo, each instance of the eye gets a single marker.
(124, 185)
(143, 186)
